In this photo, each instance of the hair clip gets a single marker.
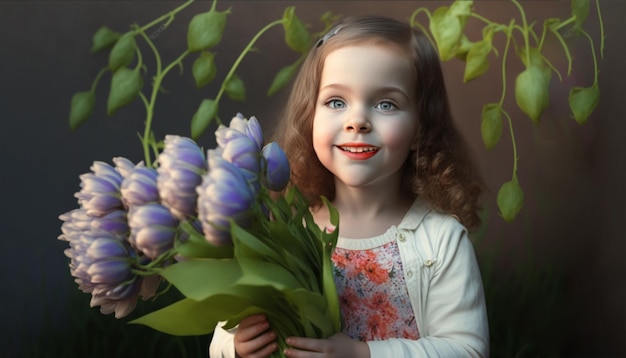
(328, 35)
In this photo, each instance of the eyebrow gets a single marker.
(386, 89)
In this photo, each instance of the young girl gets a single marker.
(368, 125)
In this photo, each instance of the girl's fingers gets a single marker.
(308, 344)
(251, 327)
(261, 346)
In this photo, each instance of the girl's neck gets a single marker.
(367, 212)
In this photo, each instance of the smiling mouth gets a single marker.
(360, 149)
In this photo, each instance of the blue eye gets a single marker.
(386, 106)
(336, 104)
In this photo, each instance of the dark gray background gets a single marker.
(574, 176)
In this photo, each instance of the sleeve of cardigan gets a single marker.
(222, 345)
(455, 312)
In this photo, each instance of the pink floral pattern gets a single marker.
(372, 292)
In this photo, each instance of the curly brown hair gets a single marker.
(441, 170)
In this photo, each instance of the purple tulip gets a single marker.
(224, 195)
(124, 166)
(241, 143)
(181, 166)
(152, 229)
(100, 190)
(102, 265)
(275, 167)
(78, 221)
(139, 187)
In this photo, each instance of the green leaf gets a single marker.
(463, 48)
(81, 108)
(283, 77)
(582, 102)
(447, 31)
(491, 124)
(104, 38)
(315, 308)
(477, 62)
(536, 58)
(461, 8)
(510, 199)
(580, 10)
(235, 88)
(197, 246)
(205, 30)
(125, 87)
(200, 278)
(297, 36)
(183, 318)
(532, 91)
(204, 69)
(264, 273)
(123, 53)
(249, 246)
(203, 117)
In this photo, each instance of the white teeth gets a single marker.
(358, 149)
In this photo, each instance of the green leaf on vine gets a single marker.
(104, 38)
(81, 108)
(204, 69)
(532, 91)
(463, 48)
(446, 25)
(582, 102)
(580, 11)
(491, 124)
(205, 30)
(446, 30)
(297, 36)
(510, 199)
(203, 117)
(235, 88)
(123, 53)
(476, 60)
(283, 77)
(125, 87)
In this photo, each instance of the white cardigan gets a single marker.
(445, 288)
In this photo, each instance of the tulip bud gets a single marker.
(275, 167)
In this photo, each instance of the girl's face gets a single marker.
(365, 117)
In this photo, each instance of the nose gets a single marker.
(358, 123)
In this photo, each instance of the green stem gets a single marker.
(243, 53)
(481, 18)
(504, 55)
(543, 35)
(524, 31)
(415, 23)
(165, 16)
(595, 59)
(513, 142)
(566, 22)
(601, 28)
(95, 82)
(565, 48)
(158, 78)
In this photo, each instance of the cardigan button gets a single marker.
(401, 237)
(409, 274)
(428, 263)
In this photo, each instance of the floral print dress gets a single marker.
(374, 300)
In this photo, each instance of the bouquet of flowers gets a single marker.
(215, 228)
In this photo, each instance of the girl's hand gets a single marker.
(337, 346)
(253, 339)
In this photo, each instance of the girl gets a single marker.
(368, 125)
